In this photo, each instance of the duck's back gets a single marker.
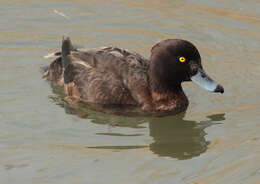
(107, 75)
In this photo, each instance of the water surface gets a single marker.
(44, 140)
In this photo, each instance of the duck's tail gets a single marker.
(51, 55)
(54, 71)
(66, 48)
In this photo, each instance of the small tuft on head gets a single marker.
(175, 46)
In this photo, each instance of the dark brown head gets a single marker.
(174, 61)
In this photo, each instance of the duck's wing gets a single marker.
(107, 75)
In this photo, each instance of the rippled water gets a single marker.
(44, 140)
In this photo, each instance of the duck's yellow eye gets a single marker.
(182, 59)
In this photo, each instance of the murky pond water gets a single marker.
(44, 140)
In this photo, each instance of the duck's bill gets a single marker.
(204, 81)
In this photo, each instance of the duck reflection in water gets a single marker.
(173, 136)
(178, 138)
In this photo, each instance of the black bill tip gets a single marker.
(219, 89)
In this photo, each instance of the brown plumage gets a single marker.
(114, 76)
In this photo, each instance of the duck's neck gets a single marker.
(172, 100)
(161, 79)
(167, 94)
(173, 93)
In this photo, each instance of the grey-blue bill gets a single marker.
(204, 81)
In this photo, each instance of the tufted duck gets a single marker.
(115, 76)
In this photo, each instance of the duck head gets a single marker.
(174, 61)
